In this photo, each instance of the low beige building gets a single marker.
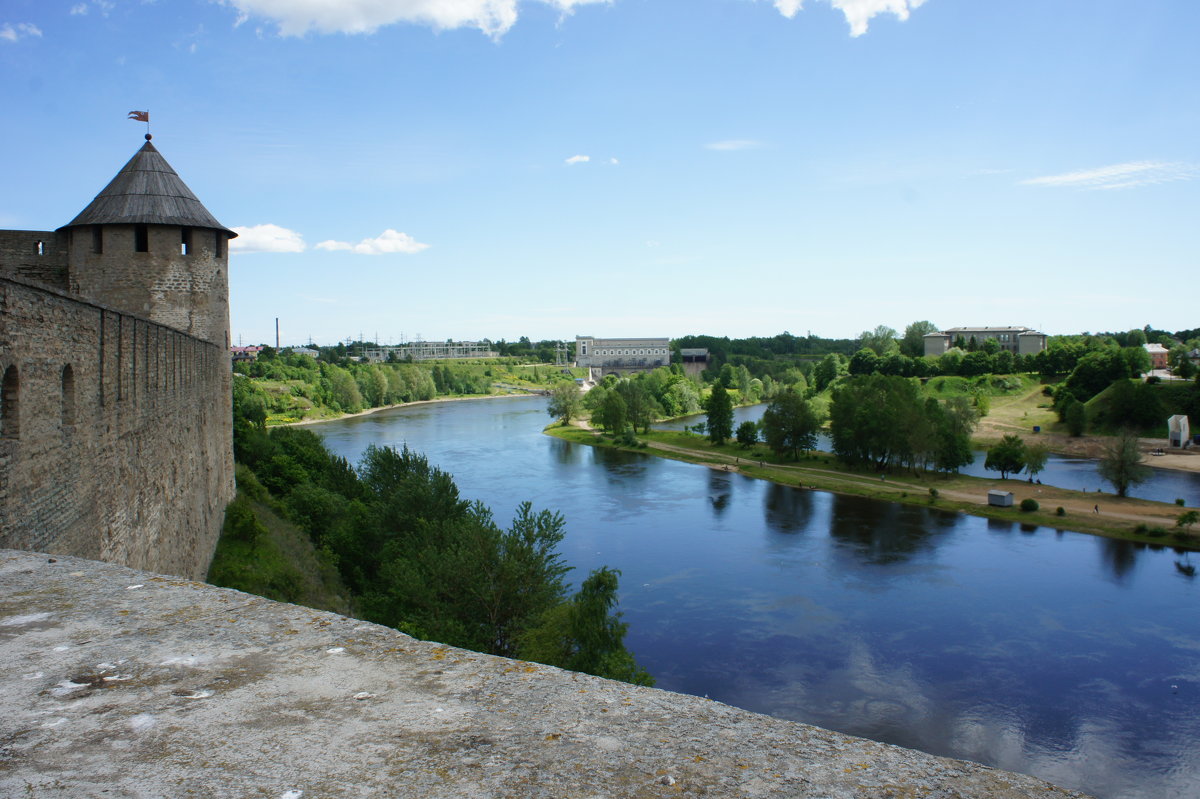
(1017, 340)
(621, 356)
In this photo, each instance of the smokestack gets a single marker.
(276, 332)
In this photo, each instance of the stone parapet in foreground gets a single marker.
(120, 683)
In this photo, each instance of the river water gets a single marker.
(1067, 656)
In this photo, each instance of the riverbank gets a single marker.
(1096, 513)
(369, 411)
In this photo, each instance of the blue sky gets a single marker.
(497, 168)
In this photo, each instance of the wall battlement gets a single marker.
(115, 434)
(146, 686)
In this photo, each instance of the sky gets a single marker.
(467, 169)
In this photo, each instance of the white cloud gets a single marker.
(389, 241)
(1119, 176)
(613, 161)
(79, 9)
(266, 238)
(734, 144)
(298, 17)
(858, 13)
(21, 30)
(578, 159)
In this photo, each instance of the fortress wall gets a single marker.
(116, 432)
(39, 255)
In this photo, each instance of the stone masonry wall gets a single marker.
(39, 255)
(115, 434)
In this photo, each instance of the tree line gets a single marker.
(415, 555)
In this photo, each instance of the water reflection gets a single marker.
(720, 489)
(1119, 557)
(1067, 656)
(880, 532)
(787, 509)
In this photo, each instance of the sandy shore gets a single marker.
(370, 411)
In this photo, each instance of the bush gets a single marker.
(1060, 511)
(1028, 505)
(933, 493)
(241, 523)
(1179, 501)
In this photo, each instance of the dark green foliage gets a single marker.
(1076, 418)
(259, 553)
(612, 414)
(720, 415)
(1060, 511)
(826, 371)
(913, 343)
(1096, 371)
(864, 362)
(790, 425)
(1006, 457)
(240, 522)
(747, 434)
(586, 634)
(1029, 505)
(411, 551)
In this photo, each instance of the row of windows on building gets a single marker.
(141, 240)
(624, 351)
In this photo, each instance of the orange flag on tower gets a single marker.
(139, 116)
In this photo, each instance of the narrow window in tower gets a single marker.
(97, 239)
(10, 395)
(141, 238)
(185, 241)
(68, 396)
(40, 249)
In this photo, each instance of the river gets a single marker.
(1067, 656)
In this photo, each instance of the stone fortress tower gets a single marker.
(115, 421)
(148, 246)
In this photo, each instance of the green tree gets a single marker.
(881, 340)
(566, 402)
(1185, 520)
(1121, 463)
(913, 343)
(586, 634)
(790, 425)
(747, 434)
(826, 371)
(864, 362)
(1076, 418)
(612, 414)
(640, 406)
(1006, 456)
(1036, 456)
(720, 414)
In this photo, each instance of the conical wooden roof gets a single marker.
(147, 191)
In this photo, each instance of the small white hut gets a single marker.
(1177, 431)
(1002, 499)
